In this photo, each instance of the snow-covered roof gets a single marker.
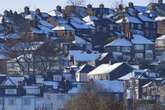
(119, 42)
(139, 39)
(80, 26)
(44, 14)
(80, 55)
(75, 90)
(90, 18)
(92, 24)
(14, 80)
(104, 69)
(12, 36)
(51, 83)
(160, 18)
(78, 23)
(161, 37)
(137, 74)
(45, 23)
(85, 68)
(37, 31)
(103, 55)
(76, 20)
(3, 48)
(79, 40)
(30, 17)
(111, 86)
(4, 56)
(26, 46)
(61, 20)
(145, 18)
(130, 19)
(131, 11)
(1, 18)
(45, 29)
(55, 13)
(141, 9)
(148, 84)
(63, 27)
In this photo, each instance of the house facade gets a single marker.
(104, 29)
(160, 45)
(149, 27)
(129, 25)
(160, 20)
(81, 74)
(138, 48)
(110, 72)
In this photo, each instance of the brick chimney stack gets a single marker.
(160, 1)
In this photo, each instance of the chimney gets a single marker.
(101, 6)
(120, 7)
(131, 5)
(58, 8)
(160, 1)
(89, 6)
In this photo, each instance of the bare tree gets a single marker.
(116, 4)
(77, 2)
(92, 97)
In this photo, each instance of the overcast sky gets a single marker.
(47, 5)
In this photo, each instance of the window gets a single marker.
(26, 101)
(139, 55)
(60, 96)
(148, 47)
(117, 55)
(139, 26)
(147, 32)
(33, 91)
(132, 26)
(147, 24)
(104, 29)
(58, 77)
(98, 28)
(126, 49)
(149, 55)
(111, 27)
(154, 25)
(11, 91)
(139, 47)
(11, 101)
(118, 49)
